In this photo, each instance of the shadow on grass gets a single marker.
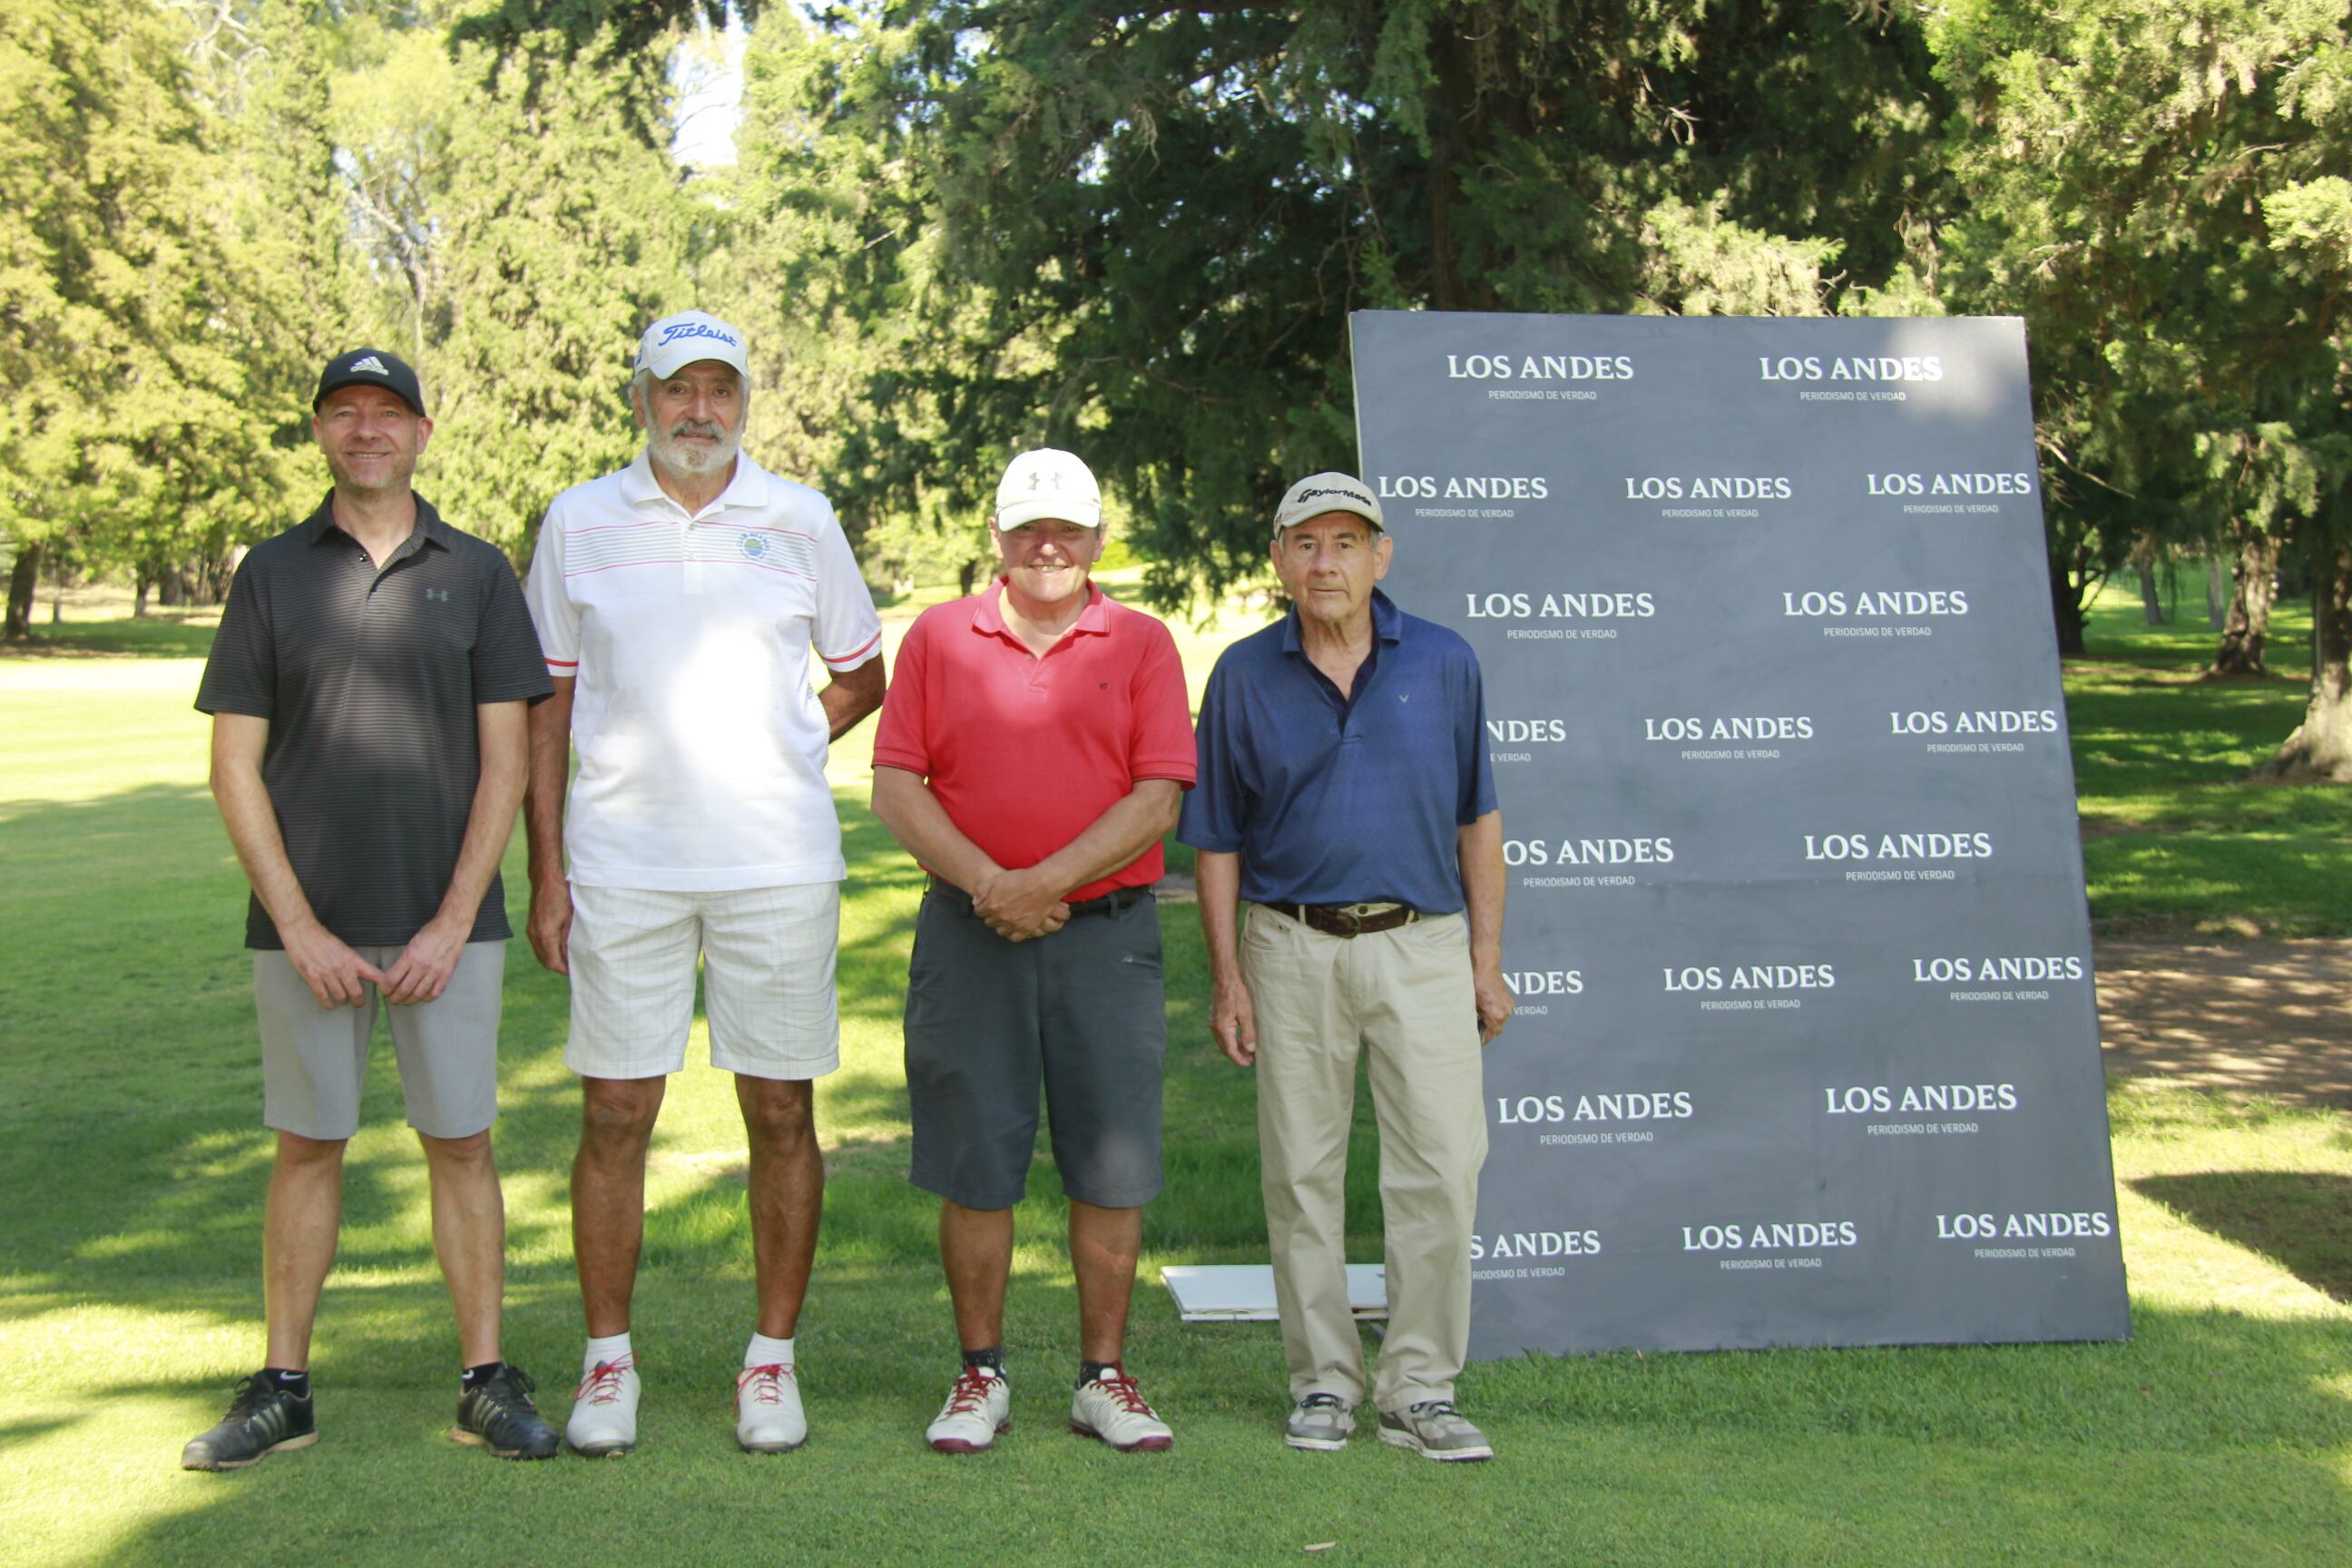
(2301, 1220)
(14, 1433)
(129, 1090)
(159, 637)
(138, 1169)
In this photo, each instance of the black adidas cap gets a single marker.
(370, 367)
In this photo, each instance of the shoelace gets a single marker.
(766, 1383)
(1432, 1409)
(1321, 1401)
(251, 1395)
(510, 1391)
(969, 1393)
(1126, 1395)
(602, 1383)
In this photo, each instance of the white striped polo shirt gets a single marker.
(702, 741)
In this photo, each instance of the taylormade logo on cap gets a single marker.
(1318, 494)
(675, 342)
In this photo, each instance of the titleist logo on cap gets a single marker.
(677, 329)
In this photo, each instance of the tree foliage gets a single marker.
(123, 386)
(2155, 187)
(1137, 230)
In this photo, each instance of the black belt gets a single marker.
(1349, 919)
(1118, 901)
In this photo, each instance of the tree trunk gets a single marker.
(2151, 607)
(2248, 624)
(965, 576)
(2320, 751)
(22, 581)
(2216, 593)
(138, 598)
(2066, 607)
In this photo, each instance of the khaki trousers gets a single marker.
(1321, 1001)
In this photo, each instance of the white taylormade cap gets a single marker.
(675, 342)
(1047, 483)
(1318, 494)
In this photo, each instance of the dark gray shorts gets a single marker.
(1082, 1010)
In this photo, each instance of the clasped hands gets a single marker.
(1019, 905)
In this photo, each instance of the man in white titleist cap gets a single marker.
(678, 601)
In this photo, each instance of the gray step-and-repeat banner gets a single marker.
(1806, 1050)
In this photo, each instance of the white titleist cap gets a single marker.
(1047, 483)
(675, 342)
(1318, 494)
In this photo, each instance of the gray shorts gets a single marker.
(1082, 1011)
(314, 1059)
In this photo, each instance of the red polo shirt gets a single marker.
(1026, 753)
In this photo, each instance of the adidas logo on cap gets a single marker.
(371, 365)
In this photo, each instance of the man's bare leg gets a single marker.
(976, 1246)
(304, 1210)
(470, 1237)
(608, 1195)
(1104, 1244)
(787, 1194)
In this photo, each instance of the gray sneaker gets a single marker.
(1320, 1422)
(1434, 1430)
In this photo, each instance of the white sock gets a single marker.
(765, 1351)
(610, 1349)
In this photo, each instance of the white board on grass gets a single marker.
(1244, 1293)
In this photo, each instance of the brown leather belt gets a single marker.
(1349, 919)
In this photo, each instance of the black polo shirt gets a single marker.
(370, 679)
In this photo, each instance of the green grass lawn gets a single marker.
(129, 1264)
(2178, 840)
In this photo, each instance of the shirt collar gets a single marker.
(748, 487)
(430, 529)
(1388, 623)
(988, 614)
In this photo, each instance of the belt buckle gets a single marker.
(1354, 918)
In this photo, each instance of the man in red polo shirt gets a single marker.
(1034, 749)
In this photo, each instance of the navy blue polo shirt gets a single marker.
(1338, 798)
(370, 678)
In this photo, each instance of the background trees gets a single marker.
(957, 229)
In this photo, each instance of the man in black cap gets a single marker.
(368, 689)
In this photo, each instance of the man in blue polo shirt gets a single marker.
(1345, 795)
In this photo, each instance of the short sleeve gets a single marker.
(554, 616)
(900, 737)
(848, 632)
(1216, 813)
(241, 671)
(1161, 746)
(1477, 769)
(508, 665)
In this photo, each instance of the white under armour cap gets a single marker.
(675, 342)
(1047, 483)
